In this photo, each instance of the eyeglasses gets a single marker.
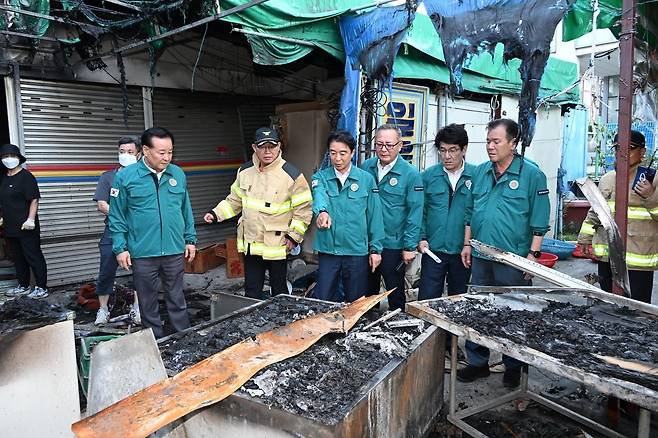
(267, 146)
(388, 147)
(450, 152)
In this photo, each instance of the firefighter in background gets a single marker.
(642, 234)
(275, 201)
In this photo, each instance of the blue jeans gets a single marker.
(393, 278)
(107, 270)
(352, 270)
(433, 276)
(488, 273)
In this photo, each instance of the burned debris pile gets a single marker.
(574, 334)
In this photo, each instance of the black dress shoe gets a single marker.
(512, 377)
(471, 373)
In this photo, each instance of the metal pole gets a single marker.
(197, 23)
(44, 17)
(626, 40)
(34, 37)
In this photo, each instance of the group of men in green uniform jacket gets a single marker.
(371, 220)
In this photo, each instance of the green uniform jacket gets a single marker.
(401, 195)
(357, 227)
(150, 220)
(507, 213)
(444, 215)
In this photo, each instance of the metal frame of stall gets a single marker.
(645, 398)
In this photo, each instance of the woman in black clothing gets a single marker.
(19, 200)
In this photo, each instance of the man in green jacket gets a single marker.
(509, 209)
(447, 194)
(152, 229)
(401, 195)
(349, 219)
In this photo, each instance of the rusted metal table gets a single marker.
(524, 297)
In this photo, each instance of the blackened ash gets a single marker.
(570, 333)
(322, 383)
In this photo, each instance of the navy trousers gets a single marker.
(107, 270)
(392, 268)
(433, 276)
(488, 273)
(352, 270)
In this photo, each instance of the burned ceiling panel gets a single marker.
(525, 28)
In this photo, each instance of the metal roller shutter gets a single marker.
(70, 139)
(208, 146)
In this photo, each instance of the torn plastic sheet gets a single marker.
(524, 27)
(371, 42)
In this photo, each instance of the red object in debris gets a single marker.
(578, 252)
(547, 259)
(87, 297)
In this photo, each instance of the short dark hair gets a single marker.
(452, 134)
(389, 127)
(148, 135)
(127, 139)
(511, 127)
(342, 137)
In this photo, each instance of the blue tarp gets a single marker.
(574, 147)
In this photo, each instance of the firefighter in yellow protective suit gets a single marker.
(275, 201)
(642, 234)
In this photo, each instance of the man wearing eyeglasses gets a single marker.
(447, 192)
(401, 194)
(275, 201)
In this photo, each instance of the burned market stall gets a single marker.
(355, 385)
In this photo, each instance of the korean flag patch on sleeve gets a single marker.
(114, 192)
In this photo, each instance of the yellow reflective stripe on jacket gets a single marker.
(639, 213)
(267, 252)
(298, 226)
(587, 229)
(226, 210)
(265, 207)
(301, 198)
(632, 259)
(235, 188)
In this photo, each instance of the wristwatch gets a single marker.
(535, 254)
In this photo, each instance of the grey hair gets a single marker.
(130, 139)
(389, 126)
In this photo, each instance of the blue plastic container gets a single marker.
(560, 248)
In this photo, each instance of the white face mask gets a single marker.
(127, 159)
(10, 162)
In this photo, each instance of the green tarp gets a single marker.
(317, 24)
(578, 21)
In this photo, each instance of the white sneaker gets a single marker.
(38, 293)
(102, 316)
(135, 315)
(17, 291)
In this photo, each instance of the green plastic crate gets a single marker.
(87, 345)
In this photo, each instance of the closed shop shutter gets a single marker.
(70, 132)
(208, 146)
